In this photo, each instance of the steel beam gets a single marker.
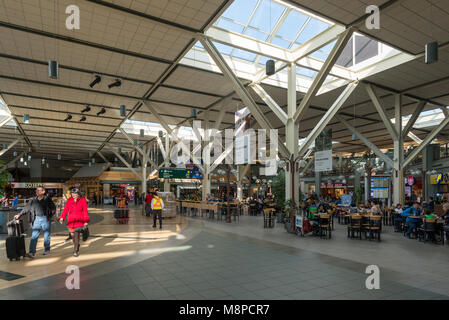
(380, 109)
(5, 121)
(327, 118)
(414, 137)
(102, 157)
(142, 153)
(124, 161)
(321, 76)
(413, 118)
(14, 160)
(9, 147)
(240, 90)
(368, 143)
(173, 136)
(277, 110)
(426, 141)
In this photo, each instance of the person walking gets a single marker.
(156, 206)
(42, 210)
(77, 217)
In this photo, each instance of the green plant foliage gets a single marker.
(4, 176)
(278, 188)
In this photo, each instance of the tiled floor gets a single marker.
(215, 260)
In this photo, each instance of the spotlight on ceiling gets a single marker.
(83, 118)
(69, 117)
(103, 110)
(86, 109)
(96, 80)
(116, 83)
(123, 110)
(26, 118)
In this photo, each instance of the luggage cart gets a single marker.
(121, 211)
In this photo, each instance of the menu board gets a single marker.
(380, 193)
(379, 182)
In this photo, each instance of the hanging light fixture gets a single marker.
(269, 67)
(95, 81)
(48, 165)
(38, 144)
(115, 159)
(138, 162)
(25, 163)
(93, 160)
(83, 118)
(116, 83)
(29, 157)
(123, 110)
(142, 133)
(26, 118)
(59, 156)
(21, 159)
(14, 153)
(86, 109)
(102, 111)
(53, 69)
(119, 150)
(160, 133)
(43, 160)
(193, 113)
(90, 164)
(135, 142)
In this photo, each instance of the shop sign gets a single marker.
(172, 173)
(439, 178)
(123, 185)
(410, 180)
(33, 185)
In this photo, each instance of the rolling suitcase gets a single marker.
(15, 243)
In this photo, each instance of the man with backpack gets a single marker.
(42, 210)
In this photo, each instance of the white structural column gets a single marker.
(240, 90)
(398, 172)
(413, 118)
(394, 133)
(368, 143)
(324, 72)
(167, 161)
(9, 147)
(123, 160)
(5, 121)
(291, 136)
(144, 172)
(327, 117)
(277, 110)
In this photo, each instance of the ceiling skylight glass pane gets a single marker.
(228, 25)
(281, 43)
(263, 60)
(305, 72)
(323, 53)
(223, 49)
(365, 48)
(261, 19)
(292, 24)
(198, 45)
(245, 55)
(253, 33)
(240, 11)
(313, 28)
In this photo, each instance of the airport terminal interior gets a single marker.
(224, 149)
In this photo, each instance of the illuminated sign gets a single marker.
(439, 178)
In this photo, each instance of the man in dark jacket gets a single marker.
(42, 210)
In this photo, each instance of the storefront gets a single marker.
(27, 190)
(334, 190)
(439, 183)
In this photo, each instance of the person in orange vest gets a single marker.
(156, 206)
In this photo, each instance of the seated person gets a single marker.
(375, 209)
(321, 209)
(413, 224)
(353, 208)
(397, 217)
(445, 216)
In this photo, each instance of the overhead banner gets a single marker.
(323, 151)
(323, 161)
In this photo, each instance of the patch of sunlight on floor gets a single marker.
(180, 237)
(99, 256)
(163, 250)
(125, 241)
(41, 262)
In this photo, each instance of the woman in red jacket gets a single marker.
(77, 217)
